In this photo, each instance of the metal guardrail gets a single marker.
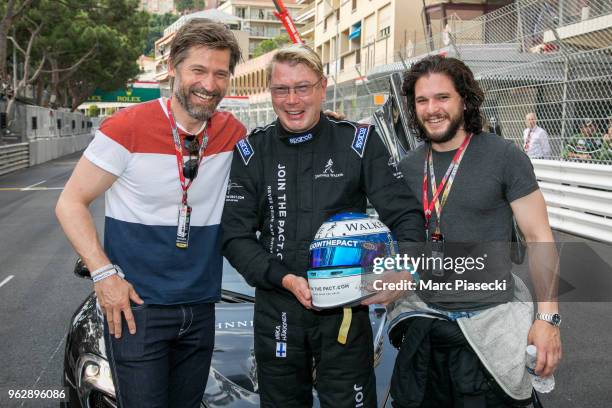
(578, 197)
(14, 157)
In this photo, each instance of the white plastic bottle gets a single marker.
(540, 384)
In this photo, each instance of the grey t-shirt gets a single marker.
(477, 217)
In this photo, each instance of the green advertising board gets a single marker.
(129, 95)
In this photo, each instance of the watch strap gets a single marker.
(552, 318)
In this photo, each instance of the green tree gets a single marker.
(67, 48)
(119, 37)
(93, 111)
(11, 12)
(270, 45)
(187, 6)
(157, 24)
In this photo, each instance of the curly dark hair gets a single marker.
(464, 82)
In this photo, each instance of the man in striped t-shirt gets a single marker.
(163, 166)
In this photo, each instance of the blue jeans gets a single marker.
(454, 315)
(166, 363)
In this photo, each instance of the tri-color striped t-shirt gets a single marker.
(142, 206)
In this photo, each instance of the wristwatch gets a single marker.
(552, 318)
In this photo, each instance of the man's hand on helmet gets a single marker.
(299, 287)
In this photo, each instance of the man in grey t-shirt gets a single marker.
(470, 184)
(477, 216)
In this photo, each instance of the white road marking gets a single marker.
(33, 387)
(6, 280)
(33, 185)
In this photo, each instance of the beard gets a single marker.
(448, 134)
(199, 112)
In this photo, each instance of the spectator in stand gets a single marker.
(535, 139)
(493, 126)
(584, 145)
(605, 152)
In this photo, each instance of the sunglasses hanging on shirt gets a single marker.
(190, 167)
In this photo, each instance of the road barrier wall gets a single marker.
(43, 150)
(14, 157)
(578, 197)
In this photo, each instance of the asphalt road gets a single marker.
(37, 303)
(39, 293)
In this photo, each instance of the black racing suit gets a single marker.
(284, 186)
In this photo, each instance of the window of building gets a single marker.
(358, 56)
(385, 32)
(385, 18)
(354, 5)
(241, 12)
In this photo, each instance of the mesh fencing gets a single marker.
(549, 58)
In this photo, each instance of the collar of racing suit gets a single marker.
(301, 137)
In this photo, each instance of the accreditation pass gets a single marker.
(182, 231)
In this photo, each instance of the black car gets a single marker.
(232, 381)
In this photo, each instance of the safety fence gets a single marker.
(578, 197)
(552, 59)
(14, 157)
(549, 58)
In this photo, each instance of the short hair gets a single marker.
(296, 54)
(463, 80)
(203, 32)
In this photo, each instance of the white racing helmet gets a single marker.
(341, 258)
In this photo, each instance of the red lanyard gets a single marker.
(179, 152)
(443, 186)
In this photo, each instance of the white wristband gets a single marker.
(101, 269)
(115, 270)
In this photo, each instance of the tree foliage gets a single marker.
(187, 6)
(270, 45)
(93, 111)
(67, 48)
(157, 24)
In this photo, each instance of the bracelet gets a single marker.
(102, 269)
(115, 270)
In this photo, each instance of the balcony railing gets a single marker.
(305, 12)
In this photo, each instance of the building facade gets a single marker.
(158, 6)
(306, 16)
(258, 19)
(353, 36)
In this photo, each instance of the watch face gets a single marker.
(556, 319)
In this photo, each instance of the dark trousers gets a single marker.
(297, 349)
(436, 367)
(166, 363)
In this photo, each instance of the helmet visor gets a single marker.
(362, 255)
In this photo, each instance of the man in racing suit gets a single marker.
(286, 180)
